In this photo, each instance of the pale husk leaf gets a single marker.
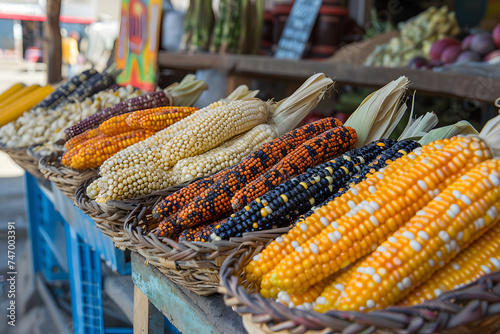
(380, 112)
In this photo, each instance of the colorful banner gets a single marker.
(137, 45)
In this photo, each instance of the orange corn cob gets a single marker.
(159, 120)
(68, 155)
(480, 258)
(134, 118)
(433, 237)
(94, 154)
(81, 138)
(373, 220)
(116, 125)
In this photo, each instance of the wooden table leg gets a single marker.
(147, 319)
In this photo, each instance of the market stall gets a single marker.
(246, 215)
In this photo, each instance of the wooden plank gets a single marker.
(147, 319)
(479, 88)
(187, 311)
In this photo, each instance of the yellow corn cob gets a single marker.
(372, 221)
(309, 228)
(18, 95)
(95, 153)
(480, 258)
(330, 294)
(227, 154)
(305, 300)
(459, 215)
(223, 123)
(12, 112)
(13, 89)
(159, 120)
(116, 125)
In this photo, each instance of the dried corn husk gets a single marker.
(380, 112)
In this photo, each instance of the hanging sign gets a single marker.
(136, 52)
(297, 29)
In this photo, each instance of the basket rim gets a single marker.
(172, 250)
(452, 309)
(52, 164)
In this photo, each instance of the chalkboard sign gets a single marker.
(297, 29)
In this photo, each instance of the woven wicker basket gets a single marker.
(110, 216)
(193, 265)
(23, 159)
(65, 179)
(473, 308)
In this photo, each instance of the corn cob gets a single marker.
(134, 117)
(71, 152)
(260, 161)
(159, 120)
(330, 294)
(129, 182)
(372, 221)
(226, 155)
(480, 258)
(10, 91)
(94, 84)
(12, 112)
(302, 301)
(60, 94)
(19, 94)
(427, 241)
(215, 128)
(115, 126)
(284, 203)
(200, 233)
(94, 154)
(318, 221)
(215, 202)
(81, 138)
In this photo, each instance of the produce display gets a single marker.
(368, 247)
(255, 184)
(125, 175)
(46, 126)
(416, 38)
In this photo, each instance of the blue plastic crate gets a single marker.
(86, 228)
(46, 230)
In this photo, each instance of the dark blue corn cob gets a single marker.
(96, 83)
(60, 94)
(294, 197)
(392, 153)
